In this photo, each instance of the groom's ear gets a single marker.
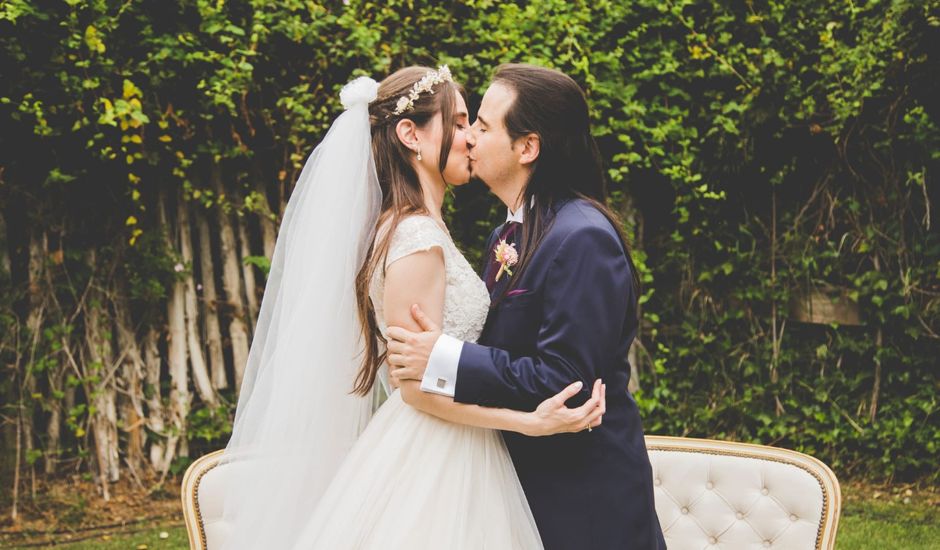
(531, 146)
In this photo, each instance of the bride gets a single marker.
(363, 239)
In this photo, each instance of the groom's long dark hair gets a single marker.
(551, 105)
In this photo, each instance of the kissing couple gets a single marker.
(507, 422)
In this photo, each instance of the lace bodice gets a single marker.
(466, 300)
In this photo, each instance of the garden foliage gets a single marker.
(760, 152)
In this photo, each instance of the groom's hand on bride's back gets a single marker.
(408, 351)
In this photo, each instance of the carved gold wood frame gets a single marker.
(190, 497)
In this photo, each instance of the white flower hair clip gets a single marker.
(426, 84)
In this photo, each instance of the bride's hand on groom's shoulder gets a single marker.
(553, 417)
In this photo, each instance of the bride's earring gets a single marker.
(419, 153)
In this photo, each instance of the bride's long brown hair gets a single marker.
(401, 191)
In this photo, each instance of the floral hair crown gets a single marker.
(426, 84)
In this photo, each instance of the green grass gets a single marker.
(888, 525)
(147, 537)
(870, 524)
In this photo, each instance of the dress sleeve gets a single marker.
(415, 234)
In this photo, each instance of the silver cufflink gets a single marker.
(441, 383)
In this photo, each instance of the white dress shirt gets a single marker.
(440, 376)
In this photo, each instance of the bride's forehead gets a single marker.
(460, 108)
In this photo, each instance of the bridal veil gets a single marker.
(296, 417)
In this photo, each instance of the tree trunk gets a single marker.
(55, 377)
(193, 338)
(210, 299)
(14, 514)
(131, 380)
(156, 413)
(176, 341)
(34, 322)
(10, 438)
(5, 269)
(231, 283)
(248, 271)
(266, 218)
(54, 427)
(102, 391)
(879, 342)
(68, 402)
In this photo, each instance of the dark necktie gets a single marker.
(507, 233)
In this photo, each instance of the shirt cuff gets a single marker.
(441, 375)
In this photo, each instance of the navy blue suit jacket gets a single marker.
(571, 317)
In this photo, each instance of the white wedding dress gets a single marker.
(413, 481)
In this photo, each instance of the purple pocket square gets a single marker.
(516, 292)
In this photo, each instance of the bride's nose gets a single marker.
(471, 137)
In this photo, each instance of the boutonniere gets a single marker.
(506, 256)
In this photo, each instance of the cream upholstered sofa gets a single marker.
(709, 494)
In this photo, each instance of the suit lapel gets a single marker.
(488, 253)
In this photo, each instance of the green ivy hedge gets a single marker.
(759, 151)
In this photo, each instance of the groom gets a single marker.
(565, 310)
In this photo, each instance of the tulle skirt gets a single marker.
(413, 481)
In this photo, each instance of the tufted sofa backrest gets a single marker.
(724, 495)
(709, 495)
